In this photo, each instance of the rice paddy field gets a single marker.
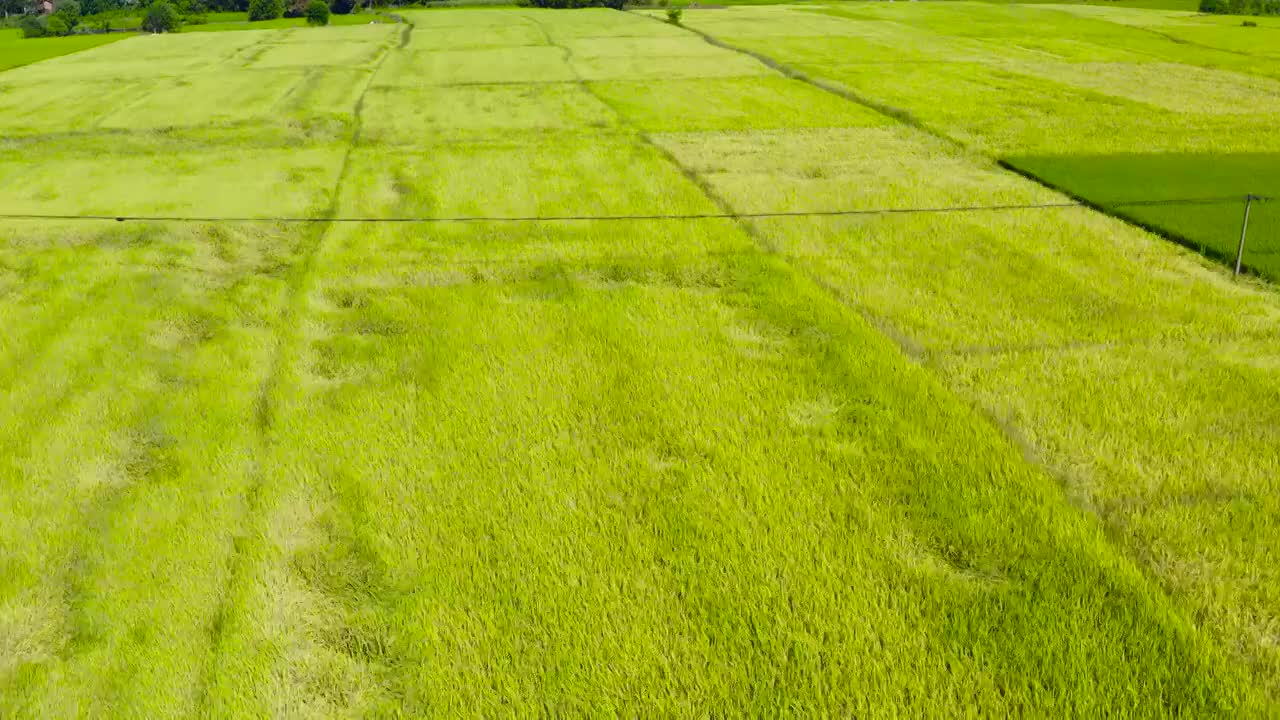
(600, 431)
(1169, 103)
(15, 50)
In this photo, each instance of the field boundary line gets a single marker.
(1148, 341)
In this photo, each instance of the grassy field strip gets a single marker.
(709, 478)
(1082, 33)
(1169, 116)
(289, 82)
(1037, 115)
(1171, 86)
(1185, 477)
(143, 57)
(143, 472)
(1095, 281)
(15, 51)
(1043, 76)
(1122, 281)
(123, 471)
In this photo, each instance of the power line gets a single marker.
(209, 219)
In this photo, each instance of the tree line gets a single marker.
(95, 16)
(1240, 7)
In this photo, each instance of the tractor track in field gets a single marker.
(265, 407)
(726, 210)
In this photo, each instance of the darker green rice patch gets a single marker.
(1202, 197)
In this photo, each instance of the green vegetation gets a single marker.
(1181, 5)
(1015, 462)
(317, 13)
(1240, 7)
(1167, 95)
(15, 51)
(1112, 181)
(228, 22)
(161, 18)
(1096, 306)
(265, 9)
(62, 22)
(572, 4)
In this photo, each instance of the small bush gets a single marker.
(161, 18)
(198, 19)
(265, 9)
(674, 14)
(55, 25)
(32, 27)
(1249, 23)
(317, 13)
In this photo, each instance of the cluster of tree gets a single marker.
(1240, 7)
(259, 10)
(315, 11)
(160, 15)
(570, 4)
(69, 17)
(63, 20)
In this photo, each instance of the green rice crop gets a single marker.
(728, 103)
(1066, 79)
(1111, 284)
(227, 22)
(1188, 6)
(1064, 360)
(1110, 181)
(480, 111)
(516, 64)
(647, 465)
